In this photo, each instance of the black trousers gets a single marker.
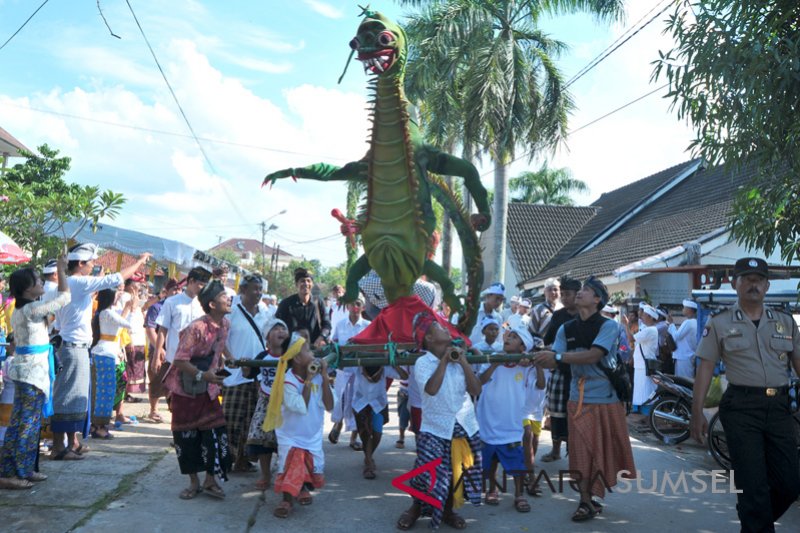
(762, 443)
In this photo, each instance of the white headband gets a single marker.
(50, 267)
(84, 252)
(650, 311)
(690, 304)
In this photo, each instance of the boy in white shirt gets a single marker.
(490, 328)
(301, 396)
(500, 410)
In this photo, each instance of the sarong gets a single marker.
(71, 391)
(298, 473)
(121, 380)
(21, 444)
(238, 406)
(157, 388)
(260, 442)
(599, 445)
(203, 451)
(200, 412)
(135, 366)
(430, 447)
(104, 388)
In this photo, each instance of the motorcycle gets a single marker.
(671, 407)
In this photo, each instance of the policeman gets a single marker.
(757, 344)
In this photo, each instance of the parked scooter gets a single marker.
(671, 410)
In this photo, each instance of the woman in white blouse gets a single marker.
(107, 355)
(32, 371)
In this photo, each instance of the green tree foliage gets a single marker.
(487, 74)
(226, 254)
(41, 202)
(282, 281)
(734, 74)
(549, 186)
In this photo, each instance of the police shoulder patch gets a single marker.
(705, 331)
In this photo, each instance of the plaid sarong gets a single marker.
(431, 447)
(557, 393)
(239, 405)
(71, 390)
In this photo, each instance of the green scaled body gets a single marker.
(398, 221)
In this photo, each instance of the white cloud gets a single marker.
(258, 65)
(324, 9)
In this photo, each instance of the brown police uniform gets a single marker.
(755, 408)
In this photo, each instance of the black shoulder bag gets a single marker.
(246, 372)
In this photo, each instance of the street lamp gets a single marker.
(264, 230)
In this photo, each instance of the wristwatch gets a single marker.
(199, 376)
(558, 357)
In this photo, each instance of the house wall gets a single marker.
(666, 288)
(730, 252)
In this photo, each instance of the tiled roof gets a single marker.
(108, 261)
(9, 143)
(247, 245)
(697, 206)
(537, 232)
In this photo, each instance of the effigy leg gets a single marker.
(359, 269)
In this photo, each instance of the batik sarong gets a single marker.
(260, 442)
(121, 380)
(22, 436)
(71, 391)
(104, 388)
(430, 448)
(203, 451)
(135, 369)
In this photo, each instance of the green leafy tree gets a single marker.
(226, 254)
(734, 75)
(549, 186)
(506, 91)
(41, 203)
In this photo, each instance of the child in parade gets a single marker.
(300, 397)
(500, 410)
(535, 401)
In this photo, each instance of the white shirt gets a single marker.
(75, 318)
(266, 375)
(686, 339)
(177, 312)
(365, 392)
(337, 313)
(535, 398)
(646, 346)
(110, 324)
(501, 406)
(450, 405)
(477, 333)
(243, 342)
(302, 425)
(414, 396)
(345, 330)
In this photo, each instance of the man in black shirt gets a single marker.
(302, 311)
(559, 382)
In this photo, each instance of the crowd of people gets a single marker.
(116, 341)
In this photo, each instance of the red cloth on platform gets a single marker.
(398, 318)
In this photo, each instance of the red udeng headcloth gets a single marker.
(422, 323)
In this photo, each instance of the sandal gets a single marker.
(521, 504)
(190, 493)
(37, 476)
(304, 498)
(492, 498)
(262, 484)
(550, 457)
(598, 507)
(82, 449)
(283, 509)
(356, 446)
(400, 444)
(407, 520)
(455, 521)
(96, 435)
(534, 490)
(15, 483)
(369, 473)
(333, 436)
(214, 491)
(155, 418)
(584, 512)
(66, 455)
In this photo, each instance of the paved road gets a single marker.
(131, 484)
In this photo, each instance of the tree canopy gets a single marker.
(549, 186)
(734, 74)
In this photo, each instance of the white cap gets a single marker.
(495, 288)
(650, 310)
(50, 267)
(609, 309)
(523, 333)
(487, 321)
(525, 302)
(552, 282)
(691, 304)
(83, 252)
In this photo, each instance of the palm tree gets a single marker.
(549, 186)
(497, 69)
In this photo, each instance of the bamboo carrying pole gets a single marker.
(375, 359)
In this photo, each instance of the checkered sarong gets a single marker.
(557, 393)
(238, 406)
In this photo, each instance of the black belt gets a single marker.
(761, 391)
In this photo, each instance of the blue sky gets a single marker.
(263, 74)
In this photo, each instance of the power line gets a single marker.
(23, 24)
(603, 55)
(169, 133)
(594, 121)
(183, 114)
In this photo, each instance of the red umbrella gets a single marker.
(10, 253)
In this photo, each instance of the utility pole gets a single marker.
(263, 234)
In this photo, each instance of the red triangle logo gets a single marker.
(398, 482)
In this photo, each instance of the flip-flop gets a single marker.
(356, 446)
(96, 435)
(400, 444)
(154, 418)
(407, 520)
(282, 510)
(214, 491)
(66, 455)
(15, 483)
(82, 449)
(304, 498)
(333, 436)
(492, 498)
(190, 493)
(37, 476)
(584, 512)
(262, 484)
